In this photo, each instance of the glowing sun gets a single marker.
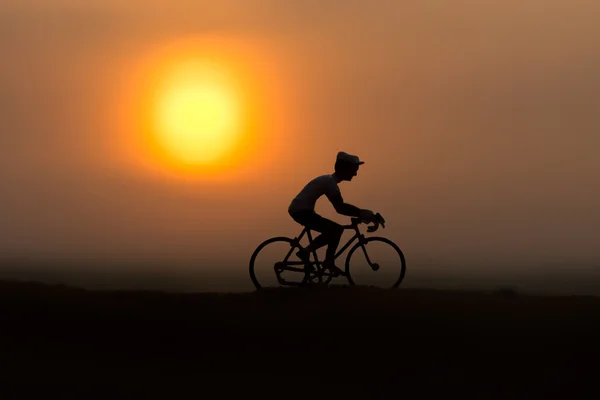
(197, 112)
(196, 107)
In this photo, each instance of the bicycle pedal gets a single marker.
(279, 267)
(281, 280)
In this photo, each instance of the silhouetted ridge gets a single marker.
(407, 338)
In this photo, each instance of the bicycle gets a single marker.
(320, 274)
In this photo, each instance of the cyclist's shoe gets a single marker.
(305, 257)
(302, 255)
(335, 271)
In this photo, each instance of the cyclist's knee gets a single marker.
(336, 231)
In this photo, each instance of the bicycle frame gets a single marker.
(306, 231)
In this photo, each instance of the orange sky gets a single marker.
(478, 123)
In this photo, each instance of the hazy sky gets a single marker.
(478, 121)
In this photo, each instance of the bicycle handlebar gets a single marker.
(378, 221)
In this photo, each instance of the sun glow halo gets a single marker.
(203, 108)
(198, 113)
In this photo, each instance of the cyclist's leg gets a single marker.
(331, 233)
(334, 234)
(306, 219)
(312, 221)
(328, 229)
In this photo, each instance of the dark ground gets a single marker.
(298, 343)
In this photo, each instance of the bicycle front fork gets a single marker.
(374, 266)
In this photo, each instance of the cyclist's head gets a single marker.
(346, 165)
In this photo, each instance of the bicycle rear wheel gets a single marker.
(274, 263)
(380, 263)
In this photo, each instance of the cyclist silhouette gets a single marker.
(302, 209)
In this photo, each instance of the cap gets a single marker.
(349, 158)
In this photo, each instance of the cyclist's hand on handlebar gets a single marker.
(377, 220)
(380, 219)
(366, 215)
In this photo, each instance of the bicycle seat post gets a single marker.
(308, 235)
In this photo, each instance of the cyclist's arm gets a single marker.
(348, 210)
(343, 208)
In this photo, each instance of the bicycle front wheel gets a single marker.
(377, 262)
(274, 263)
